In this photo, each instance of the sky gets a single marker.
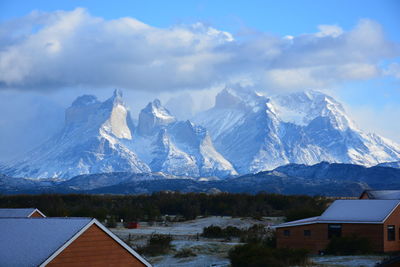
(53, 51)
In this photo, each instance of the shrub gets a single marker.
(218, 232)
(213, 232)
(349, 245)
(270, 240)
(261, 255)
(254, 234)
(157, 245)
(185, 253)
(232, 231)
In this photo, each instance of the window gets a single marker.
(334, 230)
(307, 232)
(391, 233)
(286, 232)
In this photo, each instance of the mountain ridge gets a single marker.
(245, 132)
(304, 127)
(325, 179)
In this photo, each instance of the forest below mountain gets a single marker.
(155, 206)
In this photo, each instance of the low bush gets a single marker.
(218, 232)
(349, 245)
(157, 245)
(213, 232)
(232, 231)
(270, 240)
(254, 234)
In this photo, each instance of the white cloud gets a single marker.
(329, 30)
(72, 48)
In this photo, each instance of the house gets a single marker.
(377, 220)
(21, 213)
(62, 242)
(380, 194)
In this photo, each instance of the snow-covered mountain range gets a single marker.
(257, 133)
(90, 142)
(244, 132)
(176, 147)
(100, 137)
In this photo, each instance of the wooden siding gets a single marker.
(314, 243)
(318, 240)
(95, 248)
(36, 215)
(371, 231)
(393, 219)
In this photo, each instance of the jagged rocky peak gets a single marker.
(303, 107)
(225, 99)
(188, 133)
(115, 99)
(110, 116)
(152, 117)
(81, 109)
(118, 122)
(90, 142)
(237, 97)
(84, 100)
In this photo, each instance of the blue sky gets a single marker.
(55, 50)
(278, 17)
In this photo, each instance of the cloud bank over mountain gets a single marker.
(66, 49)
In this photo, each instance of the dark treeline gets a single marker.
(152, 207)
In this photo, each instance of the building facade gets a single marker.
(63, 242)
(376, 220)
